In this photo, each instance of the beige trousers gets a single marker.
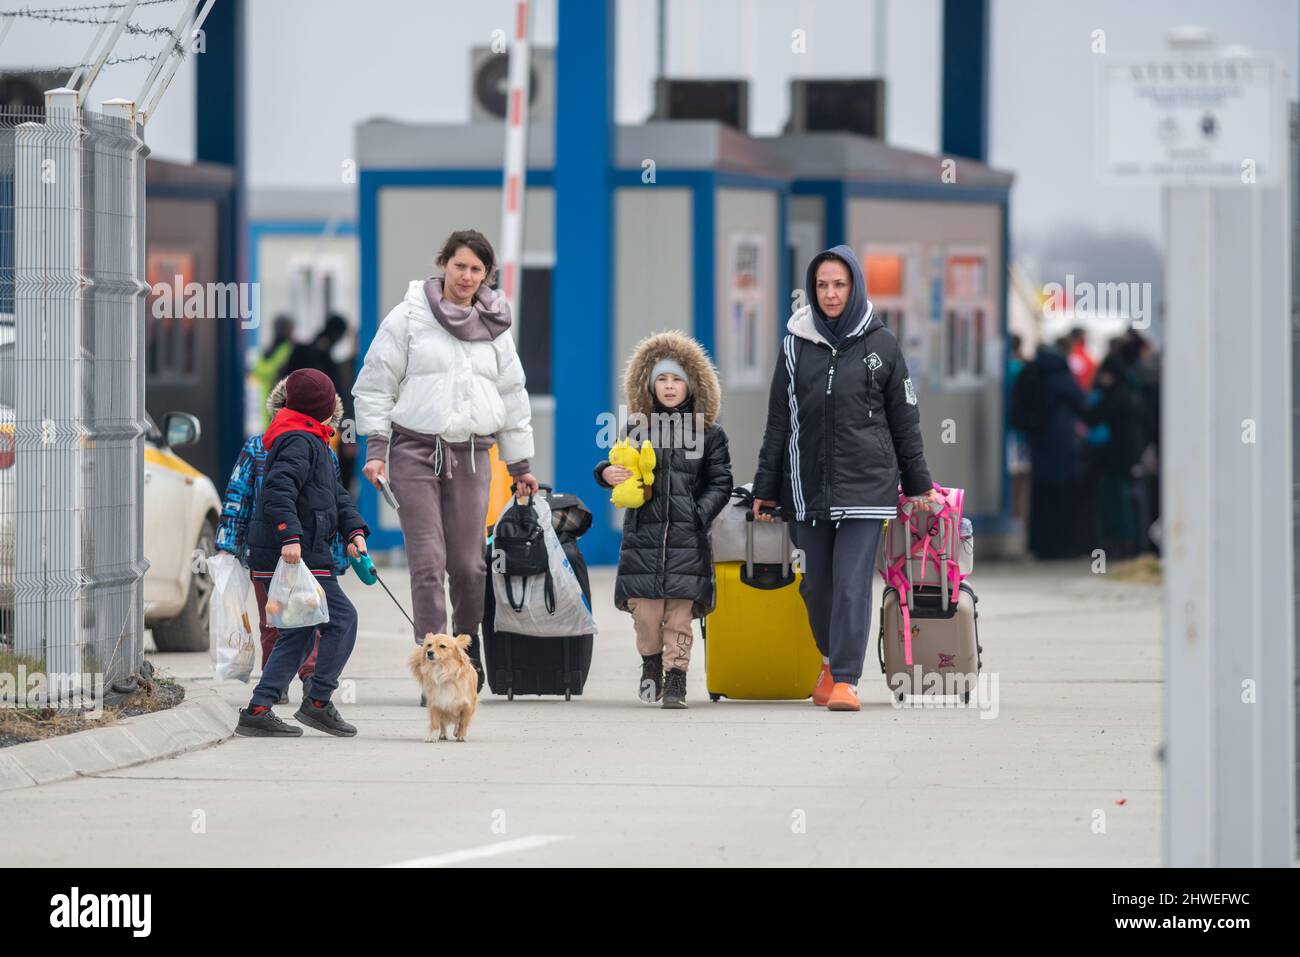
(664, 625)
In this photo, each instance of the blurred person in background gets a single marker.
(268, 370)
(1146, 367)
(1082, 365)
(1017, 448)
(1116, 413)
(319, 355)
(1046, 404)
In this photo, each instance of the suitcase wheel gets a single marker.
(510, 694)
(714, 697)
(567, 696)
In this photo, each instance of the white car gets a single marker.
(181, 509)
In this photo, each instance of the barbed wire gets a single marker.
(111, 61)
(57, 15)
(42, 11)
(131, 28)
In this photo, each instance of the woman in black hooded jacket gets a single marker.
(842, 427)
(665, 565)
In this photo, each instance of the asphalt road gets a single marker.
(1057, 767)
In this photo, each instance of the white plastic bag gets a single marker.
(966, 550)
(294, 599)
(571, 615)
(230, 627)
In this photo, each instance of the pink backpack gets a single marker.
(924, 548)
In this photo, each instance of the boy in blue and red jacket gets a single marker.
(302, 505)
(242, 491)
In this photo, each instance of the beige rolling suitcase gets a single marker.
(945, 644)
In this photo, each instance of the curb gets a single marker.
(201, 720)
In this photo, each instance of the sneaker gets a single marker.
(844, 697)
(267, 724)
(651, 688)
(674, 688)
(822, 691)
(325, 718)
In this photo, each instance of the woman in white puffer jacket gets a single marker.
(441, 383)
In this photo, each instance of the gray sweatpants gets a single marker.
(443, 508)
(838, 579)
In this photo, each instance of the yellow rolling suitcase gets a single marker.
(757, 642)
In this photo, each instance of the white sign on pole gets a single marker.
(1190, 120)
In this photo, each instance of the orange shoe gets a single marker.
(822, 690)
(844, 697)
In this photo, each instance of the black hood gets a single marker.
(854, 309)
(1049, 360)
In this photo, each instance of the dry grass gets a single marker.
(1142, 570)
(156, 694)
(21, 725)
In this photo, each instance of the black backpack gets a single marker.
(519, 540)
(1028, 411)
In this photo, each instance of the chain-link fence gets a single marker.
(72, 413)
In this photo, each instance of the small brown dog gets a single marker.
(449, 681)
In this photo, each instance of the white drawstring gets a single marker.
(448, 457)
(438, 456)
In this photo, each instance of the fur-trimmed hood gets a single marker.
(276, 400)
(705, 391)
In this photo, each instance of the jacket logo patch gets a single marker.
(909, 392)
(873, 362)
(946, 661)
(282, 526)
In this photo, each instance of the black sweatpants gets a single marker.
(839, 573)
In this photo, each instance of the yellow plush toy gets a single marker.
(630, 492)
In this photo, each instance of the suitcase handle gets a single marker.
(748, 576)
(940, 519)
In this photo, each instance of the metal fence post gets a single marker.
(49, 277)
(78, 402)
(119, 412)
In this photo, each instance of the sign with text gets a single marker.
(1193, 120)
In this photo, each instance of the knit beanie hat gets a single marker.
(668, 365)
(310, 392)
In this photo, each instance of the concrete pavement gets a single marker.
(606, 780)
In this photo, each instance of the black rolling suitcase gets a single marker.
(525, 664)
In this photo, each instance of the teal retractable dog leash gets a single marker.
(365, 569)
